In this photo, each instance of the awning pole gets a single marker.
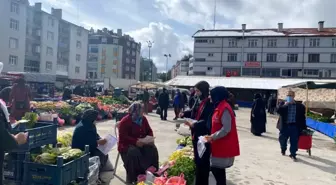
(307, 99)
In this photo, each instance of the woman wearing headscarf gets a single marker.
(224, 135)
(178, 103)
(86, 133)
(200, 111)
(20, 98)
(258, 116)
(136, 155)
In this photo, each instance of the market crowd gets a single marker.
(212, 122)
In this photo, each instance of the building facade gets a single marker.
(180, 68)
(148, 70)
(112, 55)
(292, 52)
(40, 42)
(13, 34)
(131, 54)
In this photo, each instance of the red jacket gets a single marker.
(130, 132)
(227, 146)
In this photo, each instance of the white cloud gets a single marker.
(256, 13)
(166, 41)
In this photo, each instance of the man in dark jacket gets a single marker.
(164, 103)
(145, 100)
(291, 122)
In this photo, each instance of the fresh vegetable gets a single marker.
(183, 165)
(49, 155)
(32, 119)
(83, 107)
(184, 141)
(65, 139)
(319, 118)
(114, 100)
(307, 132)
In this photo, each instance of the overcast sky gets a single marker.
(171, 23)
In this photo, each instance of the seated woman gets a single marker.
(137, 156)
(85, 133)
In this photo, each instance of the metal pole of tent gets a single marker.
(307, 99)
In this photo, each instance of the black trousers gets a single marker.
(220, 175)
(163, 113)
(202, 173)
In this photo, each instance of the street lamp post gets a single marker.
(167, 56)
(242, 50)
(150, 44)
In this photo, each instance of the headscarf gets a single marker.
(203, 86)
(89, 117)
(135, 111)
(218, 94)
(257, 96)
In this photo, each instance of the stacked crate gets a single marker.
(20, 170)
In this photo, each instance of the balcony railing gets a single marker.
(62, 70)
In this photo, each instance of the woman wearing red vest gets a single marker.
(224, 136)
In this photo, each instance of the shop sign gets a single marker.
(252, 64)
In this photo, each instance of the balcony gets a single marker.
(62, 70)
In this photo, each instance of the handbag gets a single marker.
(158, 110)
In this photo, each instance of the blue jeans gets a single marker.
(291, 132)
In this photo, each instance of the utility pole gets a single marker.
(215, 10)
(150, 44)
(167, 56)
(242, 50)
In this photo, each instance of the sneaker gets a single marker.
(293, 157)
(283, 153)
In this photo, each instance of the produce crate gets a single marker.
(43, 133)
(13, 167)
(59, 174)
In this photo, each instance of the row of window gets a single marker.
(127, 68)
(129, 44)
(271, 43)
(32, 66)
(127, 76)
(273, 72)
(128, 61)
(272, 57)
(14, 44)
(128, 52)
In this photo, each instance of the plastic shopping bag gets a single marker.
(176, 180)
(94, 164)
(201, 146)
(184, 130)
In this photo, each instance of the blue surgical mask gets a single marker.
(289, 99)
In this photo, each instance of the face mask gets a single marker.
(289, 99)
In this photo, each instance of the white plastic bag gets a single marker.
(93, 176)
(201, 146)
(184, 130)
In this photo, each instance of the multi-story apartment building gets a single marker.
(180, 68)
(131, 56)
(42, 42)
(281, 52)
(148, 70)
(112, 55)
(13, 34)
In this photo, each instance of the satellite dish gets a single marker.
(1, 66)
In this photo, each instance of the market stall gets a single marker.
(320, 101)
